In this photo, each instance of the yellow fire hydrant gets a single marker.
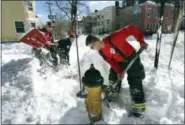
(93, 82)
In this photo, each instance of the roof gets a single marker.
(155, 4)
(149, 3)
(100, 11)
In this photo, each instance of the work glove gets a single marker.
(144, 45)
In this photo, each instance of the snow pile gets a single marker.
(18, 51)
(28, 98)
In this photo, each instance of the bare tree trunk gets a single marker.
(73, 14)
(175, 14)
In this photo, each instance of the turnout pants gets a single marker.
(64, 57)
(136, 74)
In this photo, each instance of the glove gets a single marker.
(144, 45)
(121, 75)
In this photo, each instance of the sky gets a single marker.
(42, 10)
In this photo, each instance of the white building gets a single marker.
(104, 20)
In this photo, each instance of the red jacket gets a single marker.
(48, 36)
(118, 38)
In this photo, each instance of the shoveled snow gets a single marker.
(28, 98)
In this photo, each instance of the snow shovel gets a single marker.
(34, 38)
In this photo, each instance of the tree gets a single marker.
(71, 9)
(61, 28)
(141, 1)
(132, 18)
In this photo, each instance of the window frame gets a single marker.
(34, 24)
(29, 6)
(147, 26)
(147, 12)
(19, 27)
(154, 27)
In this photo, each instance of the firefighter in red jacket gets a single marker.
(119, 62)
(47, 30)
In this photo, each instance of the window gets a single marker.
(33, 25)
(154, 27)
(166, 27)
(30, 6)
(155, 13)
(149, 12)
(108, 21)
(147, 26)
(19, 25)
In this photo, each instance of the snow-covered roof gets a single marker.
(149, 3)
(155, 4)
(100, 11)
(79, 18)
(169, 4)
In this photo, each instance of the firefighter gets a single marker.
(117, 52)
(63, 48)
(47, 30)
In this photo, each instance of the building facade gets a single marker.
(103, 21)
(146, 16)
(150, 17)
(17, 18)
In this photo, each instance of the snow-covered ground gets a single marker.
(27, 98)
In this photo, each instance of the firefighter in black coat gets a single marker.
(63, 48)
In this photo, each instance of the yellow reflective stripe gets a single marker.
(139, 105)
(114, 94)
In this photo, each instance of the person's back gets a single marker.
(63, 48)
(47, 32)
(64, 44)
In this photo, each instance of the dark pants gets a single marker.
(38, 55)
(136, 74)
(64, 58)
(54, 56)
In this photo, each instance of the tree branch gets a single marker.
(61, 9)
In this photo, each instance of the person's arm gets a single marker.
(115, 66)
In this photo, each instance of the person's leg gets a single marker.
(113, 92)
(67, 58)
(137, 95)
(135, 76)
(62, 56)
(54, 57)
(136, 90)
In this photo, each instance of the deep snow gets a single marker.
(28, 98)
